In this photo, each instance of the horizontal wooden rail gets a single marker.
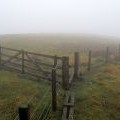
(12, 65)
(16, 57)
(44, 64)
(32, 53)
(35, 64)
(43, 55)
(7, 67)
(32, 66)
(13, 57)
(38, 76)
(27, 60)
(10, 49)
(11, 62)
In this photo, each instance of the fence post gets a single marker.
(107, 55)
(0, 55)
(54, 94)
(23, 62)
(24, 113)
(76, 64)
(55, 61)
(119, 49)
(65, 72)
(89, 60)
(119, 52)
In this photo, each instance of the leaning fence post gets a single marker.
(107, 55)
(24, 113)
(65, 72)
(54, 94)
(23, 62)
(76, 64)
(89, 60)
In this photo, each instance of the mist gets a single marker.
(98, 17)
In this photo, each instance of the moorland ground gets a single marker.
(96, 96)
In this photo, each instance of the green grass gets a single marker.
(98, 95)
(15, 91)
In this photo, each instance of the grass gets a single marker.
(57, 44)
(61, 44)
(98, 95)
(15, 91)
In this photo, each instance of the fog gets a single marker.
(101, 17)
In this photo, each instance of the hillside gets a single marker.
(60, 43)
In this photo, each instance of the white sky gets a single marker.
(60, 16)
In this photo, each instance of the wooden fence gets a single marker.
(53, 68)
(40, 65)
(35, 65)
(25, 112)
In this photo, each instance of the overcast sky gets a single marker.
(60, 16)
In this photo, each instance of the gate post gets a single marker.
(89, 60)
(54, 94)
(107, 55)
(119, 49)
(119, 52)
(76, 64)
(65, 72)
(55, 61)
(0, 55)
(23, 62)
(24, 113)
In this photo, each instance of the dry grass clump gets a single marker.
(112, 69)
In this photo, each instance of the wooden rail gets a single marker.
(33, 64)
(68, 107)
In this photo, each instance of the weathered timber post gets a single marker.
(89, 60)
(65, 72)
(119, 49)
(54, 94)
(23, 62)
(0, 55)
(55, 61)
(24, 113)
(76, 64)
(107, 55)
(119, 52)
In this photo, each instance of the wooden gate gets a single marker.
(33, 64)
